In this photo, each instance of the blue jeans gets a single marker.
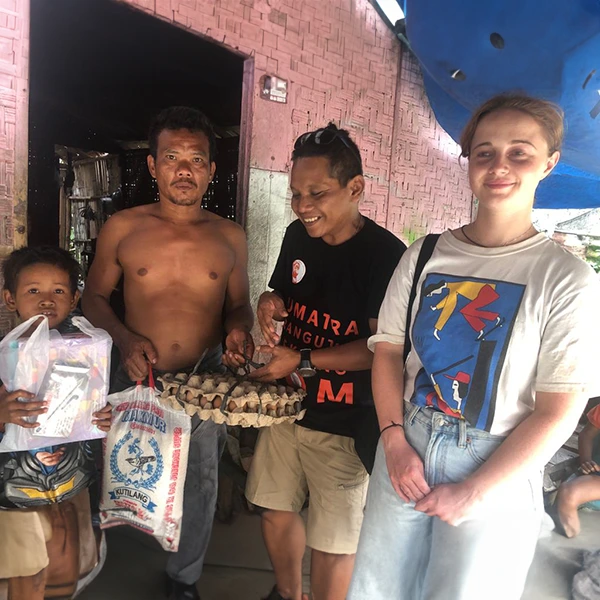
(207, 442)
(404, 554)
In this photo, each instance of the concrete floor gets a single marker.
(237, 566)
(558, 559)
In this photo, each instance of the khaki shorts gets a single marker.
(56, 535)
(291, 461)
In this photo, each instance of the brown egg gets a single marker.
(217, 402)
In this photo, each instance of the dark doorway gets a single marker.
(100, 71)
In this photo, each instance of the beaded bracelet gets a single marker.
(392, 425)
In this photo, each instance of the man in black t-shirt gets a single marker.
(330, 279)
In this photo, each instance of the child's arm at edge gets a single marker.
(586, 444)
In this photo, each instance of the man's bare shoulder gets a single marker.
(226, 226)
(138, 213)
(235, 235)
(229, 229)
(128, 219)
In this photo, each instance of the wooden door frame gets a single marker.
(247, 113)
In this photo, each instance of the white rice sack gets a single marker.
(145, 462)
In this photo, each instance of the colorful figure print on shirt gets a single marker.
(461, 334)
(46, 475)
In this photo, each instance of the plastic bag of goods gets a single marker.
(70, 371)
(145, 463)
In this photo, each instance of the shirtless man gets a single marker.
(186, 287)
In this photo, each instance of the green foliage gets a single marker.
(592, 256)
(411, 235)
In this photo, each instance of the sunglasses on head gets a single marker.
(324, 137)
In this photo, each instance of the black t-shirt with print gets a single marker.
(330, 293)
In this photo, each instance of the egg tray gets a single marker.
(232, 400)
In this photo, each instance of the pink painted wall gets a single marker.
(429, 190)
(14, 72)
(342, 64)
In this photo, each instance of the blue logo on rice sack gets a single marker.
(141, 414)
(136, 462)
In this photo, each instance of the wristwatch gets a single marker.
(306, 368)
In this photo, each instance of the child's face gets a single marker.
(42, 290)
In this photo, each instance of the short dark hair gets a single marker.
(35, 255)
(341, 151)
(182, 117)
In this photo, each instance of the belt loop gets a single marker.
(462, 433)
(411, 413)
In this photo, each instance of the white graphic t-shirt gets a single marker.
(491, 326)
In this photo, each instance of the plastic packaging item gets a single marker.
(145, 457)
(64, 390)
(70, 371)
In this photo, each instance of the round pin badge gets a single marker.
(298, 271)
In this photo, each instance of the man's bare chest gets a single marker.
(186, 257)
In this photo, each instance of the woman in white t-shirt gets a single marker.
(503, 330)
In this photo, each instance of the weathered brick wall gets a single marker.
(342, 64)
(429, 190)
(14, 68)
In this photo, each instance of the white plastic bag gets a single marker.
(145, 463)
(69, 371)
(24, 360)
